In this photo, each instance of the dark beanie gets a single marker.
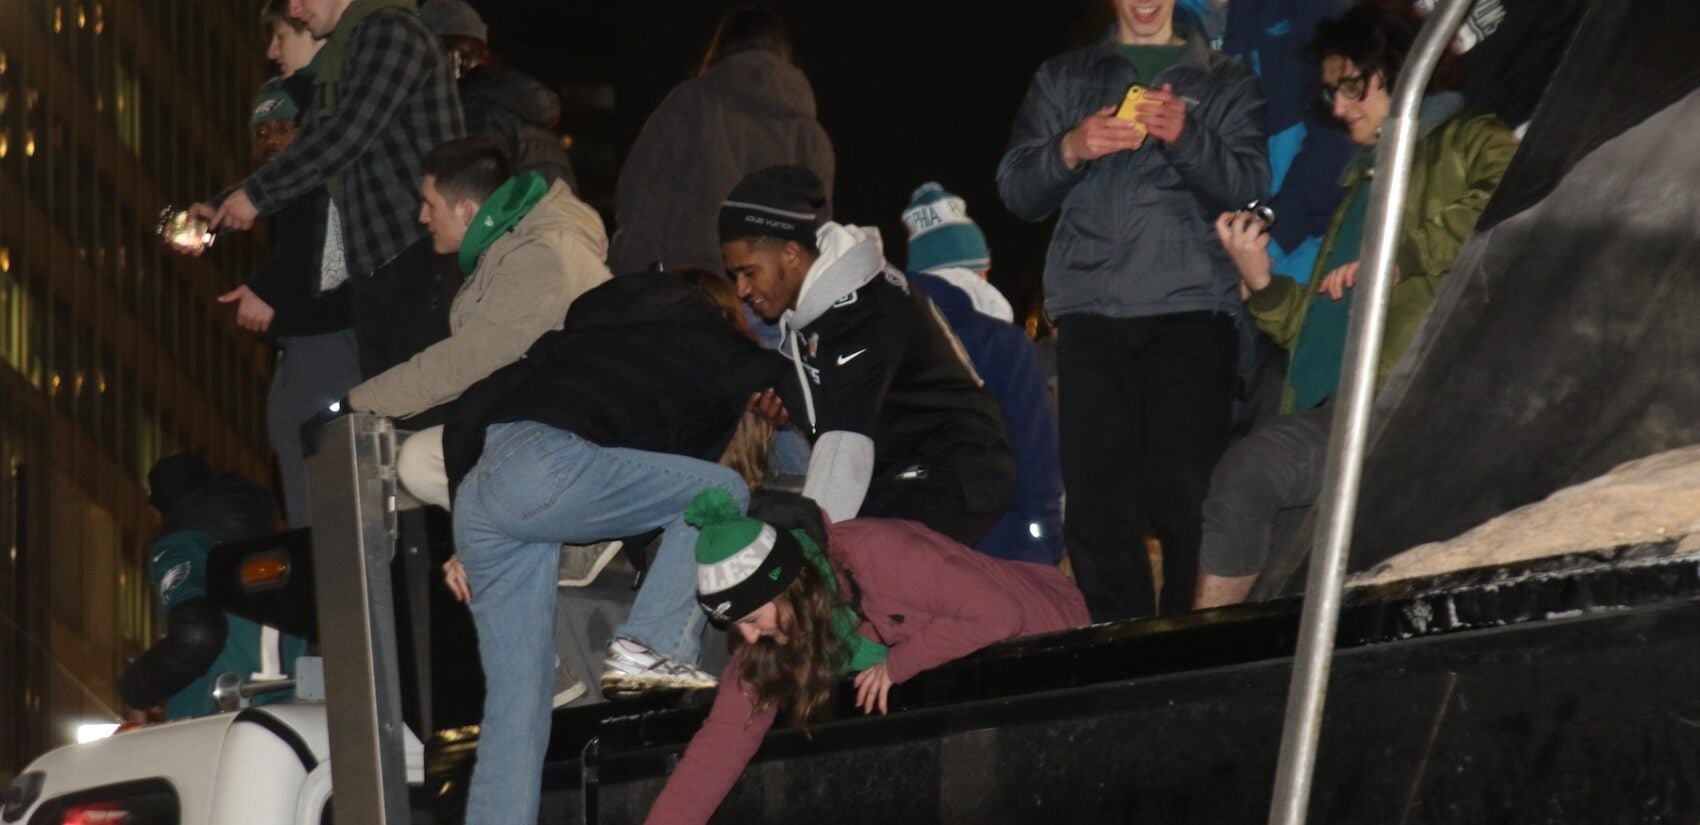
(742, 563)
(785, 202)
(173, 476)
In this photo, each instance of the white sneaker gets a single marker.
(632, 668)
(581, 564)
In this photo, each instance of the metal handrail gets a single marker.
(1338, 506)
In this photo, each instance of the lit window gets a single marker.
(5, 254)
(29, 144)
(5, 143)
(82, 18)
(58, 20)
(2, 61)
(100, 103)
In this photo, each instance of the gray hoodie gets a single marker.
(749, 111)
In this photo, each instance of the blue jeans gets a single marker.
(535, 488)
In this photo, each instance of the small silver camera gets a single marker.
(1262, 212)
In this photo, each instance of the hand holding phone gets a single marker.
(1127, 111)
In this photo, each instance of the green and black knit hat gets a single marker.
(742, 563)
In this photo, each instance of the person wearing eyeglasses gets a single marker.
(1460, 157)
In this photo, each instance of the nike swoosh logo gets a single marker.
(845, 359)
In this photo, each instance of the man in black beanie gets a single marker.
(901, 424)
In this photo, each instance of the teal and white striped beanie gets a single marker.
(941, 235)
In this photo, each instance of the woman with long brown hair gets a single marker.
(806, 601)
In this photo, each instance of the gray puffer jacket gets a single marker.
(1135, 235)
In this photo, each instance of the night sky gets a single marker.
(909, 91)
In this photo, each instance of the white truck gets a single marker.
(268, 765)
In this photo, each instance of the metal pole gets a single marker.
(1338, 506)
(351, 492)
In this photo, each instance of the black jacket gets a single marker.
(520, 113)
(875, 359)
(290, 280)
(643, 361)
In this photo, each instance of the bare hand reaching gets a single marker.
(454, 575)
(872, 686)
(252, 311)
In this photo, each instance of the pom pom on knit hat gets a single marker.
(742, 563)
(941, 235)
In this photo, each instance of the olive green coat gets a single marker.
(1459, 160)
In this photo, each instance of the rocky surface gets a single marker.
(1653, 499)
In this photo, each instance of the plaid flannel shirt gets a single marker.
(395, 101)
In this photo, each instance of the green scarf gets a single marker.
(331, 56)
(505, 206)
(864, 652)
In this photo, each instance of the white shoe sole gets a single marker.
(617, 684)
(580, 579)
(566, 697)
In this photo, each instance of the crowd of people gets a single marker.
(569, 390)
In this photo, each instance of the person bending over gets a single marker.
(607, 428)
(809, 601)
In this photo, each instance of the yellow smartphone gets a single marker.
(1135, 96)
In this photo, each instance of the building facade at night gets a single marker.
(112, 351)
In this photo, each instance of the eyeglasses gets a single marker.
(1351, 87)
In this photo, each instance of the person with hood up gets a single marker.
(747, 108)
(901, 423)
(949, 260)
(505, 105)
(807, 600)
(174, 678)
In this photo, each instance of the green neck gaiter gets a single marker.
(504, 208)
(864, 652)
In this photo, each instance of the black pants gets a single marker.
(1144, 406)
(940, 501)
(403, 306)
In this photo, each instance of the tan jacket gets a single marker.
(521, 289)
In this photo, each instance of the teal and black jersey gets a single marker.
(177, 565)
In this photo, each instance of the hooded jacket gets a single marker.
(928, 598)
(1460, 158)
(749, 111)
(1009, 363)
(520, 113)
(1134, 236)
(521, 289)
(882, 385)
(644, 361)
